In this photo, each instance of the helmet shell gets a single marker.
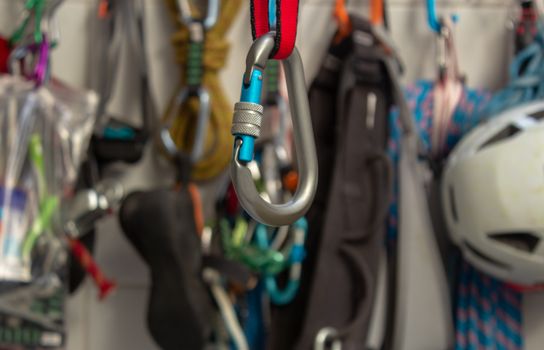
(493, 195)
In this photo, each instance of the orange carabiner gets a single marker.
(342, 18)
(376, 12)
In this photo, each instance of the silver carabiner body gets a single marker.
(246, 128)
(200, 133)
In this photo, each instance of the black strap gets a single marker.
(349, 106)
(287, 320)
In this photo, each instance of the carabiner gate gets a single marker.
(246, 128)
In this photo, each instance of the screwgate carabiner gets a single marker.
(246, 128)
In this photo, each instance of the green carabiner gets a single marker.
(35, 7)
(263, 261)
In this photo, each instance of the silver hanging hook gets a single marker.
(327, 338)
(246, 128)
(48, 21)
(211, 17)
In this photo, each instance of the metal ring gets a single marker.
(200, 133)
(327, 338)
(211, 16)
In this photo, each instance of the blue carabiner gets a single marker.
(296, 256)
(432, 18)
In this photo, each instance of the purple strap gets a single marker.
(42, 65)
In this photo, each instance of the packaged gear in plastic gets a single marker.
(44, 133)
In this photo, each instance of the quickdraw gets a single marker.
(193, 78)
(198, 117)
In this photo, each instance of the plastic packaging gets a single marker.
(44, 134)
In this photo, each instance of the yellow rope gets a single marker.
(218, 144)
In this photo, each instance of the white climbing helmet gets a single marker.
(493, 195)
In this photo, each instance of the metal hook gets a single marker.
(246, 128)
(51, 10)
(40, 67)
(211, 17)
(327, 338)
(433, 20)
(202, 124)
(48, 25)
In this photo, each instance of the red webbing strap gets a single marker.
(286, 26)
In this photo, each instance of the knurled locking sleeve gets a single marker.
(247, 119)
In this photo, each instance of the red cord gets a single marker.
(526, 289)
(105, 286)
(286, 26)
(4, 55)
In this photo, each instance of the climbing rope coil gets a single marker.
(525, 77)
(201, 61)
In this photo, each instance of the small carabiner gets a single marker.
(246, 128)
(296, 257)
(327, 338)
(211, 16)
(203, 119)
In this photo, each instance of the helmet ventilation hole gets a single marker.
(524, 241)
(537, 115)
(508, 131)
